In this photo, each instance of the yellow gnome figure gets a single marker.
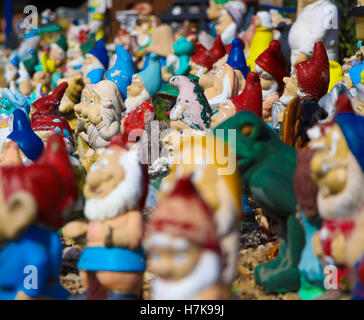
(336, 74)
(262, 38)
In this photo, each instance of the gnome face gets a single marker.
(57, 55)
(137, 94)
(88, 110)
(267, 81)
(226, 27)
(114, 184)
(90, 63)
(174, 259)
(197, 70)
(338, 176)
(41, 77)
(214, 10)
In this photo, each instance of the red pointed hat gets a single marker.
(251, 98)
(343, 105)
(202, 57)
(218, 49)
(197, 224)
(273, 61)
(314, 75)
(51, 181)
(50, 103)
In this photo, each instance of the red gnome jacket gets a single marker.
(137, 118)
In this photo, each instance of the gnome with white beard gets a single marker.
(139, 106)
(338, 171)
(183, 248)
(112, 264)
(272, 68)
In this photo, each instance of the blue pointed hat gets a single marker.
(352, 126)
(100, 52)
(152, 75)
(24, 136)
(122, 72)
(236, 58)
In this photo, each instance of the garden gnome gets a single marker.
(264, 160)
(96, 17)
(182, 245)
(178, 63)
(217, 183)
(34, 199)
(45, 118)
(122, 72)
(98, 119)
(338, 171)
(230, 21)
(272, 68)
(139, 106)
(317, 21)
(313, 77)
(225, 85)
(192, 109)
(262, 38)
(201, 62)
(249, 100)
(95, 64)
(236, 60)
(112, 264)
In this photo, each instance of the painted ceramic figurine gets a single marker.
(313, 77)
(230, 21)
(113, 262)
(182, 245)
(316, 21)
(201, 62)
(192, 109)
(338, 171)
(217, 184)
(178, 63)
(139, 105)
(95, 64)
(250, 99)
(272, 68)
(41, 191)
(262, 38)
(98, 118)
(263, 161)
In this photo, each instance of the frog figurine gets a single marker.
(267, 167)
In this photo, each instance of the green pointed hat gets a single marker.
(62, 42)
(49, 28)
(30, 62)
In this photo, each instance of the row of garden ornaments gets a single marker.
(293, 129)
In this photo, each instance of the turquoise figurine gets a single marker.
(183, 49)
(122, 72)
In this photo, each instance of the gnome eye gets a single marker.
(154, 257)
(91, 101)
(85, 100)
(247, 130)
(93, 167)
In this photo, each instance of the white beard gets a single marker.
(205, 274)
(271, 91)
(348, 202)
(23, 74)
(223, 96)
(229, 34)
(124, 197)
(131, 103)
(285, 100)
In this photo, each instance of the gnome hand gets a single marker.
(301, 57)
(316, 245)
(115, 237)
(338, 249)
(74, 230)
